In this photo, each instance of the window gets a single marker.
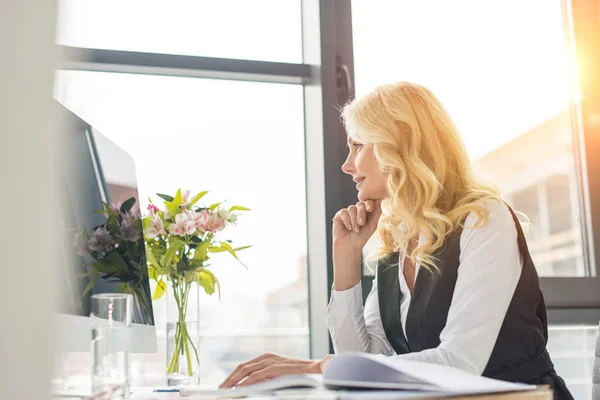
(266, 30)
(244, 142)
(509, 92)
(515, 95)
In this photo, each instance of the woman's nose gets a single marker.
(347, 167)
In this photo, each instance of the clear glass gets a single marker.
(265, 30)
(243, 141)
(111, 318)
(183, 333)
(509, 92)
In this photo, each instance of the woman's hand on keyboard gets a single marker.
(268, 366)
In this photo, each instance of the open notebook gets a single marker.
(367, 371)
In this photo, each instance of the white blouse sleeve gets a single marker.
(490, 268)
(353, 328)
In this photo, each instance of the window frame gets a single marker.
(577, 299)
(326, 75)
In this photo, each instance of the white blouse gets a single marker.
(489, 270)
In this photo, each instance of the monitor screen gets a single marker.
(105, 250)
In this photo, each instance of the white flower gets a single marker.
(183, 225)
(185, 197)
(167, 214)
(155, 228)
(80, 241)
(227, 215)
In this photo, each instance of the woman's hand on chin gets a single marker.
(354, 225)
(268, 366)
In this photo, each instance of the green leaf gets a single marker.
(137, 267)
(174, 246)
(107, 210)
(177, 199)
(152, 272)
(201, 252)
(165, 197)
(241, 248)
(204, 279)
(197, 263)
(161, 286)
(103, 267)
(213, 206)
(83, 275)
(150, 257)
(117, 261)
(182, 267)
(196, 239)
(239, 208)
(127, 204)
(173, 209)
(90, 284)
(121, 288)
(215, 249)
(214, 280)
(198, 197)
(228, 248)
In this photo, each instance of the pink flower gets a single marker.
(208, 222)
(183, 225)
(101, 239)
(129, 231)
(116, 207)
(155, 228)
(153, 209)
(134, 212)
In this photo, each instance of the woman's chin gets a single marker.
(365, 196)
(362, 196)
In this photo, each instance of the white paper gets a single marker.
(377, 371)
(281, 382)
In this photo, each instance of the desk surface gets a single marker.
(542, 393)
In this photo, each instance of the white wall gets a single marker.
(26, 175)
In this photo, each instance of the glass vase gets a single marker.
(142, 302)
(183, 333)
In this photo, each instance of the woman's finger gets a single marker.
(244, 365)
(352, 212)
(271, 372)
(374, 215)
(246, 371)
(361, 213)
(344, 217)
(370, 205)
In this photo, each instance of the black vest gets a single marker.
(519, 354)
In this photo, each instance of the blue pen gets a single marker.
(166, 390)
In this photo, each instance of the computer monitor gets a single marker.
(95, 171)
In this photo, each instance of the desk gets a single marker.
(542, 393)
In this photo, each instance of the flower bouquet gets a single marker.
(179, 241)
(117, 250)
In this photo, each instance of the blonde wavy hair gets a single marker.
(430, 182)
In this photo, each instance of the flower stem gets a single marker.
(181, 291)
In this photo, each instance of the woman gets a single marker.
(455, 283)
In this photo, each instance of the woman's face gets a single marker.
(362, 166)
